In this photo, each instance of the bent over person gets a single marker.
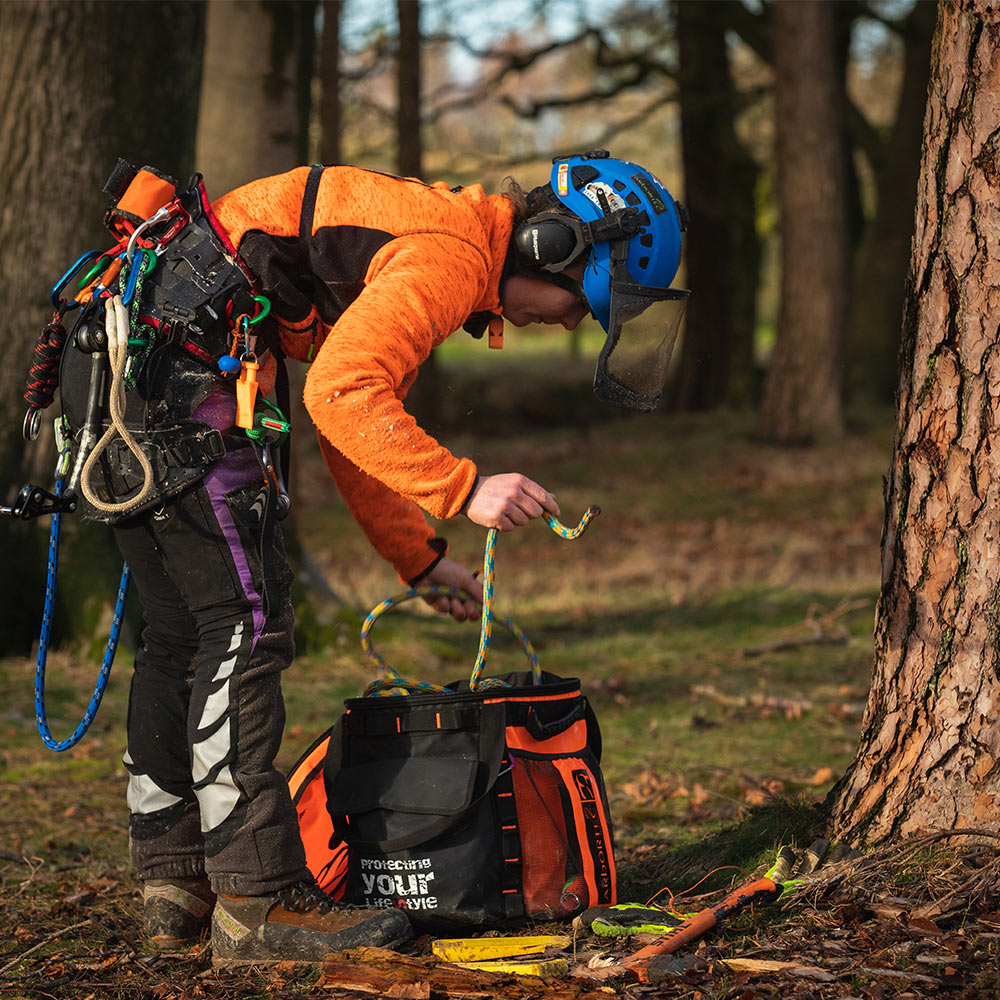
(361, 274)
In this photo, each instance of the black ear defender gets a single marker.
(547, 241)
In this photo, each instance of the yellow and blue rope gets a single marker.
(391, 682)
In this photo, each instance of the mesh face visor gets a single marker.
(634, 362)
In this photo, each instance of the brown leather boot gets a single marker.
(177, 912)
(298, 924)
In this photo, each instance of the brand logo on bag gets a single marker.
(404, 885)
(594, 829)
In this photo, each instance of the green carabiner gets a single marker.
(102, 263)
(265, 308)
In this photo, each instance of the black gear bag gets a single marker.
(470, 809)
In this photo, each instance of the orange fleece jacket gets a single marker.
(388, 269)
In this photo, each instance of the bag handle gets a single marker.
(392, 681)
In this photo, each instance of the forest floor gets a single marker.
(719, 613)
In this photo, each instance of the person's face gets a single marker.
(532, 300)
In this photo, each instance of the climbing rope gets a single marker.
(392, 682)
(41, 719)
(117, 328)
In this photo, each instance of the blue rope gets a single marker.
(43, 645)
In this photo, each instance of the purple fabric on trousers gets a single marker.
(233, 470)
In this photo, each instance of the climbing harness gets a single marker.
(392, 683)
(190, 326)
(128, 436)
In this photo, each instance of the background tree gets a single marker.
(802, 391)
(60, 143)
(253, 118)
(722, 254)
(423, 397)
(882, 257)
(329, 77)
(929, 754)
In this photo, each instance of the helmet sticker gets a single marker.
(563, 179)
(642, 183)
(614, 199)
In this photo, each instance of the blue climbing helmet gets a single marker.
(630, 228)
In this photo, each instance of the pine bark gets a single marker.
(929, 755)
(802, 390)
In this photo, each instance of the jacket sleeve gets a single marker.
(394, 525)
(418, 290)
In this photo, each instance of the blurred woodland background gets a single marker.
(792, 132)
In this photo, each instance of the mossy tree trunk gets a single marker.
(929, 755)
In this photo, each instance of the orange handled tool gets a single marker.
(762, 890)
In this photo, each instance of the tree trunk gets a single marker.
(723, 254)
(410, 148)
(252, 121)
(423, 400)
(79, 92)
(802, 391)
(876, 303)
(329, 74)
(929, 755)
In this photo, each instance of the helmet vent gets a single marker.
(643, 263)
(619, 185)
(633, 199)
(646, 240)
(644, 218)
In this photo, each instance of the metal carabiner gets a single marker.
(157, 216)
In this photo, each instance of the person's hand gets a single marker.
(448, 573)
(508, 501)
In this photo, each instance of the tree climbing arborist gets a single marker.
(361, 274)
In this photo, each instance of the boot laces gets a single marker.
(303, 897)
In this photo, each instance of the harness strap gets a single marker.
(309, 201)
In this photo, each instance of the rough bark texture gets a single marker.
(802, 389)
(83, 83)
(722, 254)
(930, 744)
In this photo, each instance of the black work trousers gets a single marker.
(205, 709)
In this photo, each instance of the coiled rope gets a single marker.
(41, 719)
(117, 328)
(392, 683)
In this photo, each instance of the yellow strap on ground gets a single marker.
(490, 949)
(545, 968)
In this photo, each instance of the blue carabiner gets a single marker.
(133, 274)
(58, 287)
